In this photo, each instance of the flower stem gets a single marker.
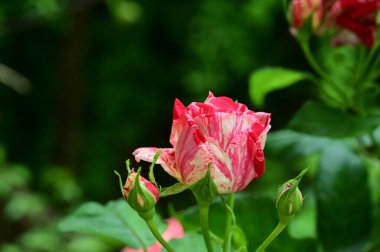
(319, 70)
(230, 221)
(203, 217)
(314, 64)
(280, 226)
(158, 236)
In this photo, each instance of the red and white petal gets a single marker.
(223, 126)
(224, 103)
(150, 187)
(222, 167)
(166, 159)
(261, 127)
(242, 152)
(219, 126)
(178, 121)
(215, 104)
(192, 156)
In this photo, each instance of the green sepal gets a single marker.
(137, 195)
(120, 182)
(205, 189)
(174, 189)
(148, 215)
(289, 199)
(127, 166)
(151, 173)
(305, 31)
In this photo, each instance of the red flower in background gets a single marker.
(354, 21)
(357, 17)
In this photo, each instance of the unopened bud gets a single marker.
(289, 199)
(141, 195)
(306, 12)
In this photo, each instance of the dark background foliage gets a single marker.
(103, 82)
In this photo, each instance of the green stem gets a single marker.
(158, 236)
(216, 239)
(318, 69)
(272, 236)
(314, 64)
(230, 220)
(203, 217)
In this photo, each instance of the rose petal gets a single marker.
(215, 104)
(224, 103)
(174, 230)
(242, 151)
(192, 154)
(178, 121)
(261, 127)
(166, 159)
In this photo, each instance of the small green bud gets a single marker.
(289, 199)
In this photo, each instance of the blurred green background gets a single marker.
(85, 82)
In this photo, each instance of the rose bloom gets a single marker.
(219, 132)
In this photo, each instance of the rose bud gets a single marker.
(289, 199)
(141, 195)
(301, 10)
(219, 133)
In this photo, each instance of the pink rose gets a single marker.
(219, 132)
(173, 231)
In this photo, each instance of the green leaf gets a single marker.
(343, 200)
(116, 221)
(318, 119)
(266, 80)
(373, 166)
(292, 144)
